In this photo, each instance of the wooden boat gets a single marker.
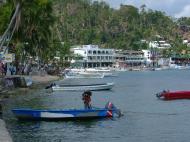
(168, 95)
(32, 114)
(91, 87)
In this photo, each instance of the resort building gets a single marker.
(129, 58)
(93, 56)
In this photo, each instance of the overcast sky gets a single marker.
(174, 8)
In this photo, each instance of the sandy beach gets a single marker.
(44, 79)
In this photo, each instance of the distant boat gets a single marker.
(84, 75)
(172, 95)
(91, 87)
(32, 114)
(110, 74)
(105, 72)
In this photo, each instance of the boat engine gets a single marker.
(158, 95)
(111, 106)
(50, 86)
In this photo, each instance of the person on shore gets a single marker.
(86, 97)
(1, 68)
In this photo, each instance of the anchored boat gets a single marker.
(84, 75)
(91, 87)
(32, 114)
(172, 95)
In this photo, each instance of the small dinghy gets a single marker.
(32, 114)
(80, 87)
(169, 95)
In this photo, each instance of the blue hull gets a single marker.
(62, 114)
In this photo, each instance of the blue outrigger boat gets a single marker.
(32, 114)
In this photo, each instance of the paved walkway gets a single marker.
(4, 134)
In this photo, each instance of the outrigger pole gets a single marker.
(11, 28)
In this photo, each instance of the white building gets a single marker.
(161, 44)
(187, 42)
(129, 58)
(93, 56)
(147, 56)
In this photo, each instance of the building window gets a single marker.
(89, 57)
(89, 52)
(94, 52)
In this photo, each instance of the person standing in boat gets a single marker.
(86, 97)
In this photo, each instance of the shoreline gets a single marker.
(4, 133)
(36, 80)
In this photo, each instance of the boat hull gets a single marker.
(84, 76)
(174, 95)
(95, 87)
(30, 114)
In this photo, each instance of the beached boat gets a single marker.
(32, 114)
(80, 87)
(169, 95)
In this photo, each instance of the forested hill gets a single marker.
(86, 22)
(43, 24)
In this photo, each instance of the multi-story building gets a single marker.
(129, 58)
(93, 56)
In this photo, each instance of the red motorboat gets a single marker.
(169, 95)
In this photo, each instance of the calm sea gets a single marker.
(146, 119)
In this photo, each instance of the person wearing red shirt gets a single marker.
(86, 97)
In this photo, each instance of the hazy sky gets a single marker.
(175, 8)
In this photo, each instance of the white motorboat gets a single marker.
(84, 75)
(91, 87)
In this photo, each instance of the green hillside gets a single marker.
(44, 24)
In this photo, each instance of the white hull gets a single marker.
(85, 76)
(94, 87)
(109, 74)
